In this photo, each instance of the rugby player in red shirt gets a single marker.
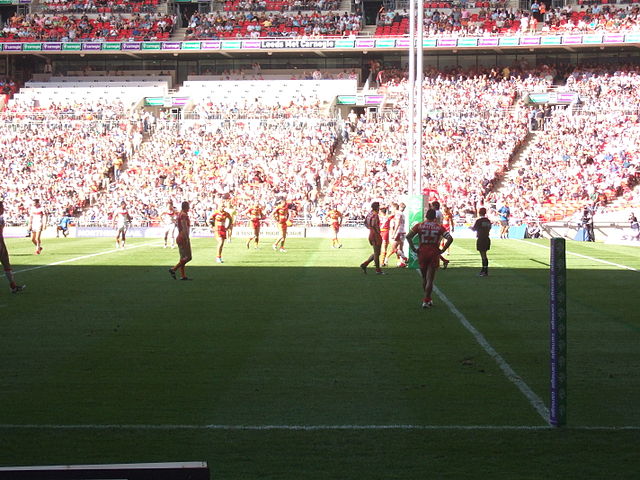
(372, 222)
(221, 221)
(256, 215)
(385, 225)
(429, 233)
(184, 243)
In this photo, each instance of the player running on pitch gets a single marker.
(184, 243)
(4, 257)
(429, 234)
(256, 215)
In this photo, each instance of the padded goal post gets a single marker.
(558, 333)
(417, 205)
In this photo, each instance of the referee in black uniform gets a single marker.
(482, 227)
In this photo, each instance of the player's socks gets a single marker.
(9, 275)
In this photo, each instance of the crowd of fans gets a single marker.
(248, 161)
(586, 155)
(474, 123)
(118, 20)
(279, 5)
(271, 24)
(104, 27)
(64, 163)
(461, 21)
(99, 6)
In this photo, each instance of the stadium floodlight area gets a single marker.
(127, 471)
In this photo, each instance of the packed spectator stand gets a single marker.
(476, 126)
(117, 20)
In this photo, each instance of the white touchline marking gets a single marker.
(173, 427)
(69, 260)
(625, 267)
(509, 372)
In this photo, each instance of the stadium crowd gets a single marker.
(104, 27)
(117, 20)
(474, 124)
(99, 6)
(460, 21)
(65, 163)
(271, 24)
(589, 154)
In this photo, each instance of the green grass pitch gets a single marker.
(296, 365)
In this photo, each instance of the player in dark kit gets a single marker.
(482, 227)
(429, 233)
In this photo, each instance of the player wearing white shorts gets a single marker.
(399, 233)
(169, 224)
(37, 223)
(121, 220)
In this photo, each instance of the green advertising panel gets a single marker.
(416, 208)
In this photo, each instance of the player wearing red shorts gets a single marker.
(256, 215)
(336, 222)
(281, 216)
(429, 232)
(184, 243)
(220, 220)
(386, 217)
(372, 222)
